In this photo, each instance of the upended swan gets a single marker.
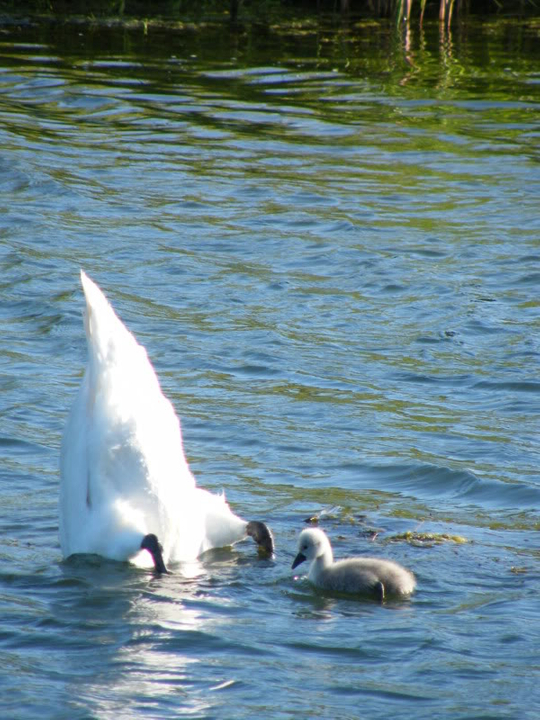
(373, 577)
(126, 491)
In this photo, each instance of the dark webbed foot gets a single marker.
(262, 536)
(379, 591)
(151, 543)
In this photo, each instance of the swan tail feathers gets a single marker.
(106, 334)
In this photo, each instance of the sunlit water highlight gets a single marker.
(329, 243)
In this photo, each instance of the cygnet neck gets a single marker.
(326, 556)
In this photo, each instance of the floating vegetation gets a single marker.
(427, 539)
(326, 513)
(519, 570)
(338, 517)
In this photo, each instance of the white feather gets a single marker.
(123, 469)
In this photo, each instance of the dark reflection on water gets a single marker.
(327, 238)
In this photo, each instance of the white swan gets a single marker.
(124, 479)
(364, 576)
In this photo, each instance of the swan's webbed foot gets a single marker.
(152, 544)
(262, 536)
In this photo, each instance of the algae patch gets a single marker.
(427, 539)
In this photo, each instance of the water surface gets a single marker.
(329, 241)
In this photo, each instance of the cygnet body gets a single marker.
(373, 577)
(126, 490)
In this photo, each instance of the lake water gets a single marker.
(328, 238)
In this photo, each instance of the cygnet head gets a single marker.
(262, 536)
(151, 543)
(313, 543)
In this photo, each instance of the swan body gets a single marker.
(124, 477)
(373, 577)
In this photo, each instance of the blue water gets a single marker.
(329, 243)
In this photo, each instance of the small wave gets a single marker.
(528, 386)
(427, 482)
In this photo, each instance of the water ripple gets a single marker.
(327, 240)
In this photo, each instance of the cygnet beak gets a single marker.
(300, 558)
(151, 543)
(262, 536)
